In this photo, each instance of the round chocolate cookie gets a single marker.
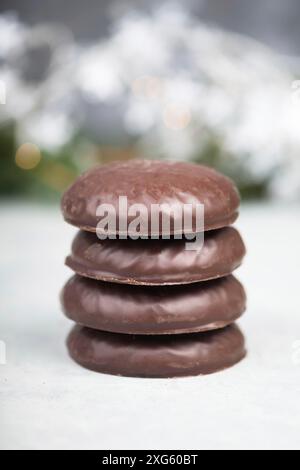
(156, 262)
(151, 182)
(157, 356)
(153, 310)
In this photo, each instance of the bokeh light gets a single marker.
(176, 117)
(28, 156)
(148, 87)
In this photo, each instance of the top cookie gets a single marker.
(151, 182)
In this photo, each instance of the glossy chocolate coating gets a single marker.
(156, 262)
(157, 356)
(151, 182)
(153, 310)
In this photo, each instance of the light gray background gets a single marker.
(48, 402)
(275, 22)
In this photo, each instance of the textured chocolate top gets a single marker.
(157, 356)
(151, 182)
(153, 310)
(156, 262)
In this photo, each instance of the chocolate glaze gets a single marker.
(156, 262)
(153, 310)
(152, 182)
(157, 356)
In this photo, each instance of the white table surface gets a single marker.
(48, 402)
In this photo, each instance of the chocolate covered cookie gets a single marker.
(151, 182)
(157, 356)
(153, 310)
(156, 262)
(148, 300)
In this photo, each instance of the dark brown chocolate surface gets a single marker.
(151, 182)
(157, 356)
(153, 310)
(156, 262)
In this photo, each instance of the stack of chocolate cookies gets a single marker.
(147, 306)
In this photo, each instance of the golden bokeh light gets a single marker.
(147, 86)
(176, 117)
(28, 156)
(57, 176)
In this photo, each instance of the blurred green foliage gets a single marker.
(46, 181)
(55, 172)
(213, 155)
